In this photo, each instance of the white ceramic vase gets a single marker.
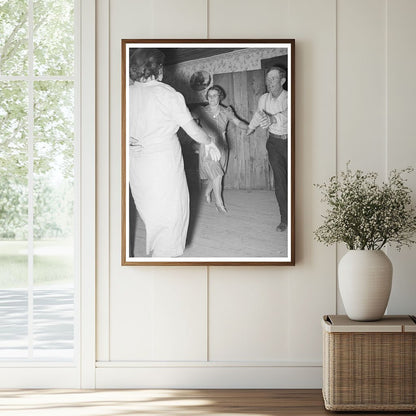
(364, 278)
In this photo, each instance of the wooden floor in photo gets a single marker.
(248, 229)
(167, 402)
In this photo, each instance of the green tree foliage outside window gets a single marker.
(53, 118)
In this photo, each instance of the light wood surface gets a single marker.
(389, 323)
(165, 402)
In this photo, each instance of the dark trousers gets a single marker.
(277, 151)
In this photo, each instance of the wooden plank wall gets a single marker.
(248, 166)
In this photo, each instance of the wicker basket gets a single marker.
(369, 366)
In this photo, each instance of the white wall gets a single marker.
(254, 326)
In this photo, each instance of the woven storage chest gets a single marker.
(369, 366)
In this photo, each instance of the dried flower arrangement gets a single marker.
(366, 215)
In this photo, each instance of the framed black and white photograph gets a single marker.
(208, 134)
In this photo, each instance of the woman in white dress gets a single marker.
(156, 170)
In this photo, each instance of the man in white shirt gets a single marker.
(272, 114)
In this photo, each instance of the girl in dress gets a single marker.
(214, 119)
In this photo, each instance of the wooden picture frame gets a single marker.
(243, 223)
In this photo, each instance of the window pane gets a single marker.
(53, 37)
(53, 179)
(13, 323)
(13, 219)
(53, 319)
(53, 197)
(13, 37)
(13, 170)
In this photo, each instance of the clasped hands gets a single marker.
(212, 151)
(263, 119)
(266, 119)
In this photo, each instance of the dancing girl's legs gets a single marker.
(208, 191)
(217, 188)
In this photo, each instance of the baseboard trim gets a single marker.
(204, 364)
(210, 377)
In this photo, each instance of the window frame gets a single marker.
(81, 371)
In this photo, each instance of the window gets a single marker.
(38, 184)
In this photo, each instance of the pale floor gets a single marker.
(248, 229)
(167, 402)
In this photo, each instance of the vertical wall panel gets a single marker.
(312, 282)
(103, 169)
(361, 84)
(180, 19)
(262, 19)
(361, 89)
(159, 316)
(401, 140)
(248, 315)
(180, 324)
